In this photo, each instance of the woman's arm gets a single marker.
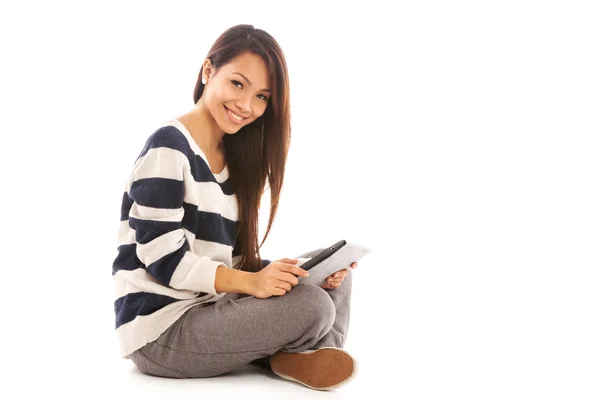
(157, 194)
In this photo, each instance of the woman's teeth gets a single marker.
(235, 115)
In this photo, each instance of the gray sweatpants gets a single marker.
(214, 338)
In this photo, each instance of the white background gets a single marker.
(459, 140)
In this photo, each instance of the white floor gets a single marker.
(250, 382)
(109, 377)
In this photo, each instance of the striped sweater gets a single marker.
(178, 224)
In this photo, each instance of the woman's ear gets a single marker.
(207, 69)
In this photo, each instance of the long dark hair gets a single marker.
(258, 150)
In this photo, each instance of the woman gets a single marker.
(193, 296)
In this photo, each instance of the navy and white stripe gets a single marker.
(178, 225)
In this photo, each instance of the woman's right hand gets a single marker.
(276, 279)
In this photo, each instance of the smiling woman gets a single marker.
(232, 91)
(189, 235)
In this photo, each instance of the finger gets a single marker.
(284, 285)
(341, 274)
(288, 277)
(294, 270)
(288, 260)
(354, 265)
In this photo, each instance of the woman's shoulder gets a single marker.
(168, 135)
(167, 145)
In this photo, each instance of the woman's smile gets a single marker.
(233, 117)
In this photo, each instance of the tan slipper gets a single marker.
(320, 369)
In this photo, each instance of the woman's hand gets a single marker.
(336, 279)
(276, 279)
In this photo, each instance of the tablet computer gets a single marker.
(336, 257)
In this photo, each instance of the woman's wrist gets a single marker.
(247, 282)
(230, 280)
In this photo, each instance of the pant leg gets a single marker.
(341, 297)
(210, 340)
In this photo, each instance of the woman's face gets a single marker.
(238, 93)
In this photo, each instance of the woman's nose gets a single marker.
(244, 106)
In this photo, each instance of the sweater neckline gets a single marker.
(221, 176)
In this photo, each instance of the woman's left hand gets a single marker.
(336, 279)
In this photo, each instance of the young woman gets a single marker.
(193, 296)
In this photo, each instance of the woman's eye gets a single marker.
(236, 83)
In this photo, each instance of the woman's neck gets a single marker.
(204, 129)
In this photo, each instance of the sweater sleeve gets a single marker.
(157, 189)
